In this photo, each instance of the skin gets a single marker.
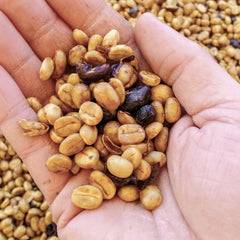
(200, 185)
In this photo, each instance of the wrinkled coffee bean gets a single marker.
(145, 115)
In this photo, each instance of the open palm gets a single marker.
(201, 187)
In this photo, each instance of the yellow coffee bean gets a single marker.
(54, 137)
(55, 100)
(158, 107)
(111, 130)
(161, 93)
(119, 89)
(125, 117)
(102, 181)
(60, 61)
(76, 54)
(153, 129)
(71, 145)
(118, 52)
(131, 134)
(94, 41)
(149, 79)
(73, 78)
(89, 134)
(143, 171)
(34, 103)
(46, 69)
(119, 166)
(111, 38)
(91, 113)
(128, 193)
(142, 147)
(59, 163)
(161, 140)
(154, 157)
(64, 93)
(80, 37)
(172, 110)
(87, 197)
(150, 197)
(94, 57)
(133, 155)
(80, 94)
(87, 158)
(100, 146)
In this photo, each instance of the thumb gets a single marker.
(197, 80)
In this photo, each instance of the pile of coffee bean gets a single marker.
(107, 116)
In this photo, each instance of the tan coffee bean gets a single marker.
(55, 100)
(59, 83)
(94, 57)
(75, 169)
(100, 146)
(34, 103)
(71, 145)
(19, 231)
(106, 96)
(87, 197)
(150, 197)
(104, 183)
(94, 41)
(133, 155)
(160, 116)
(112, 38)
(65, 94)
(110, 145)
(80, 37)
(91, 113)
(149, 79)
(80, 94)
(66, 125)
(111, 130)
(119, 89)
(172, 110)
(73, 78)
(99, 166)
(59, 163)
(76, 54)
(89, 134)
(87, 158)
(128, 193)
(143, 171)
(46, 69)
(119, 166)
(161, 93)
(49, 113)
(131, 134)
(60, 61)
(142, 147)
(154, 157)
(118, 52)
(161, 140)
(153, 129)
(33, 128)
(125, 117)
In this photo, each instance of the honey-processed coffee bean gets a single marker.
(100, 146)
(133, 155)
(131, 134)
(87, 158)
(128, 193)
(153, 129)
(89, 134)
(161, 93)
(145, 115)
(142, 147)
(111, 130)
(76, 54)
(80, 94)
(94, 41)
(47, 69)
(54, 137)
(160, 116)
(118, 52)
(154, 157)
(161, 140)
(59, 163)
(91, 113)
(34, 103)
(143, 171)
(73, 78)
(66, 125)
(149, 78)
(55, 100)
(102, 181)
(119, 89)
(172, 110)
(110, 145)
(65, 94)
(119, 166)
(80, 37)
(112, 38)
(87, 197)
(150, 197)
(125, 117)
(72, 144)
(106, 96)
(60, 61)
(94, 57)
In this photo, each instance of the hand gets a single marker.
(201, 185)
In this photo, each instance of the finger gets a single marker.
(21, 62)
(33, 150)
(45, 31)
(95, 16)
(197, 80)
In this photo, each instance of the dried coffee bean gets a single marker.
(71, 145)
(119, 89)
(128, 193)
(161, 140)
(94, 41)
(80, 94)
(135, 98)
(111, 130)
(119, 166)
(60, 61)
(118, 52)
(87, 197)
(102, 181)
(91, 113)
(149, 79)
(76, 54)
(161, 93)
(142, 147)
(87, 158)
(131, 134)
(59, 163)
(150, 197)
(153, 129)
(106, 96)
(112, 38)
(133, 155)
(94, 57)
(154, 157)
(125, 117)
(100, 146)
(65, 94)
(34, 103)
(66, 125)
(89, 134)
(89, 74)
(54, 137)
(55, 100)
(143, 171)
(80, 37)
(73, 78)
(110, 145)
(160, 116)
(172, 110)
(145, 115)
(47, 69)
